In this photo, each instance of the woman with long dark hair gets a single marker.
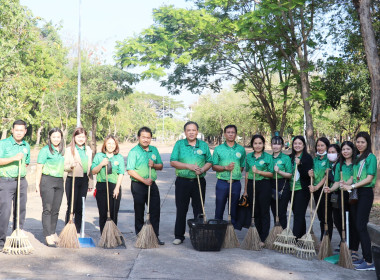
(364, 179)
(78, 158)
(320, 164)
(300, 157)
(283, 168)
(109, 156)
(260, 163)
(49, 183)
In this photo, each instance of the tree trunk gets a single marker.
(93, 137)
(373, 62)
(38, 140)
(4, 134)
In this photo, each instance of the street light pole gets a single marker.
(79, 65)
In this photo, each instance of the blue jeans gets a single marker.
(222, 193)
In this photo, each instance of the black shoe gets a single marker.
(1, 247)
(160, 242)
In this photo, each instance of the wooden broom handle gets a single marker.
(229, 198)
(150, 176)
(108, 195)
(253, 196)
(311, 197)
(276, 197)
(72, 195)
(200, 194)
(326, 197)
(315, 212)
(342, 204)
(18, 194)
(292, 198)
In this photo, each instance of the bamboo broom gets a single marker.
(315, 238)
(252, 239)
(147, 239)
(18, 243)
(345, 259)
(68, 237)
(230, 239)
(305, 248)
(325, 249)
(111, 236)
(286, 241)
(277, 229)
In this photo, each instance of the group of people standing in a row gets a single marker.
(350, 167)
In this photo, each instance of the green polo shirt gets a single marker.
(319, 168)
(118, 167)
(347, 172)
(138, 160)
(53, 163)
(284, 163)
(198, 154)
(298, 185)
(10, 148)
(83, 157)
(370, 168)
(223, 155)
(263, 163)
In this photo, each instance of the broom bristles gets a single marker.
(345, 259)
(17, 244)
(146, 238)
(305, 247)
(251, 240)
(325, 249)
(111, 236)
(68, 237)
(275, 231)
(285, 242)
(230, 239)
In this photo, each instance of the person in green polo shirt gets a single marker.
(190, 157)
(320, 164)
(261, 164)
(364, 179)
(140, 159)
(49, 183)
(110, 157)
(283, 168)
(228, 157)
(13, 150)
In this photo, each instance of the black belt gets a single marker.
(228, 181)
(190, 179)
(11, 178)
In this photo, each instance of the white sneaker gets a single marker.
(177, 241)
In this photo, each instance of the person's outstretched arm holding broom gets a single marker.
(140, 159)
(12, 150)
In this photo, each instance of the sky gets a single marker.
(103, 23)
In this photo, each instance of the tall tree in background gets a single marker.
(363, 8)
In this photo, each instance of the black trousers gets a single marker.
(8, 195)
(263, 199)
(140, 198)
(51, 195)
(283, 184)
(300, 203)
(80, 190)
(360, 213)
(321, 212)
(186, 189)
(101, 201)
(337, 213)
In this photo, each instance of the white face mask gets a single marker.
(332, 157)
(318, 154)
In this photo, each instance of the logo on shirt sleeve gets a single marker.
(154, 157)
(238, 155)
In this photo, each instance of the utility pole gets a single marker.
(79, 65)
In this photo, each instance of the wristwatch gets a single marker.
(353, 186)
(224, 168)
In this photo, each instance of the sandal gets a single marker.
(355, 257)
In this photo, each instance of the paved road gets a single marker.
(166, 262)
